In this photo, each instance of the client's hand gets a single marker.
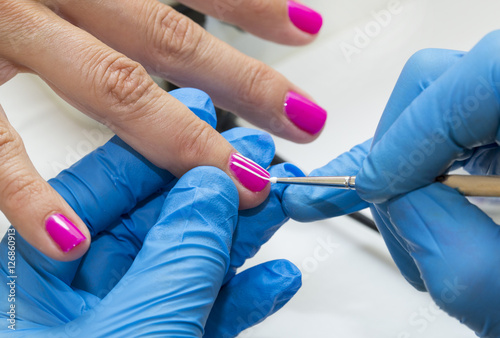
(161, 250)
(97, 56)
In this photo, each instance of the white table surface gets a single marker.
(355, 290)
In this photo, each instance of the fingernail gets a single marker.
(304, 18)
(304, 113)
(250, 174)
(63, 232)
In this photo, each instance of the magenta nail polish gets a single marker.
(63, 232)
(250, 174)
(304, 18)
(304, 113)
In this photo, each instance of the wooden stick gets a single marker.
(473, 185)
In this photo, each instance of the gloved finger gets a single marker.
(172, 46)
(281, 21)
(419, 73)
(38, 213)
(421, 70)
(256, 226)
(398, 247)
(252, 296)
(181, 264)
(119, 92)
(458, 112)
(308, 203)
(484, 161)
(113, 251)
(455, 246)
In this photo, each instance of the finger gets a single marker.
(170, 45)
(118, 92)
(421, 70)
(458, 112)
(419, 73)
(256, 226)
(455, 246)
(110, 181)
(252, 296)
(114, 250)
(181, 264)
(38, 212)
(281, 21)
(7, 71)
(398, 247)
(307, 203)
(484, 161)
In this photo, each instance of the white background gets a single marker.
(355, 290)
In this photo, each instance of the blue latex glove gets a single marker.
(164, 279)
(444, 113)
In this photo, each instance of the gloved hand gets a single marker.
(139, 279)
(444, 113)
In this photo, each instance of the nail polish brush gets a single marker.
(468, 185)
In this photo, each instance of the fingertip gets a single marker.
(287, 276)
(67, 240)
(373, 187)
(251, 180)
(250, 199)
(287, 269)
(304, 18)
(305, 114)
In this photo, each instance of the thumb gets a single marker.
(35, 209)
(170, 288)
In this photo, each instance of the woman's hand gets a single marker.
(97, 56)
(160, 251)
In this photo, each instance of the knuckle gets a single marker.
(492, 38)
(261, 7)
(422, 57)
(195, 142)
(421, 61)
(123, 82)
(426, 65)
(10, 143)
(175, 36)
(488, 48)
(257, 79)
(19, 192)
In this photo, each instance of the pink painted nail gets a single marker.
(304, 18)
(250, 174)
(63, 232)
(304, 113)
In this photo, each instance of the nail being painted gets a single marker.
(249, 173)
